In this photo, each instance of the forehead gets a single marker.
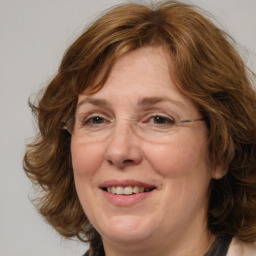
(142, 73)
(144, 68)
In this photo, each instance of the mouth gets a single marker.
(126, 187)
(128, 190)
(126, 193)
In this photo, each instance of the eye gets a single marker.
(94, 121)
(161, 120)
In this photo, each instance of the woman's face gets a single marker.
(171, 167)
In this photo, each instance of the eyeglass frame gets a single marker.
(65, 126)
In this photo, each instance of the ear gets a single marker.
(219, 171)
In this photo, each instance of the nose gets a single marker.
(123, 147)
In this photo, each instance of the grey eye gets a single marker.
(97, 120)
(162, 120)
(94, 120)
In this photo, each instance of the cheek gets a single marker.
(86, 158)
(179, 157)
(186, 175)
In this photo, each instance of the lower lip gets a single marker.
(126, 200)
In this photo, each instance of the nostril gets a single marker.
(110, 162)
(128, 161)
(122, 163)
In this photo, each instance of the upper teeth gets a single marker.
(128, 190)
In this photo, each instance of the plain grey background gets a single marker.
(34, 36)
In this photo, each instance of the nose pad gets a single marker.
(123, 147)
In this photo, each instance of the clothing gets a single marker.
(225, 246)
(220, 246)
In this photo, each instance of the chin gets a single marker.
(128, 229)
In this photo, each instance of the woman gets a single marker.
(147, 135)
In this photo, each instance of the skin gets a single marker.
(171, 220)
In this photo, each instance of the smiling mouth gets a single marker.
(128, 190)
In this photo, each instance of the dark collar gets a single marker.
(220, 246)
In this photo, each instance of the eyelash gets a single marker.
(161, 118)
(88, 120)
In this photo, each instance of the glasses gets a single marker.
(153, 128)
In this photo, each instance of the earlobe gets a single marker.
(219, 171)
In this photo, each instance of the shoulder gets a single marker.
(239, 248)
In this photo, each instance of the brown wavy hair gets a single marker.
(206, 68)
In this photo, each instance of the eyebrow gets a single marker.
(154, 100)
(95, 102)
(146, 101)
